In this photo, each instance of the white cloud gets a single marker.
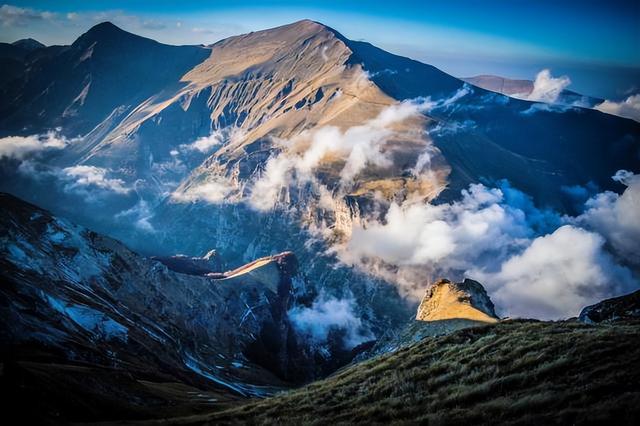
(455, 235)
(141, 214)
(617, 217)
(213, 191)
(329, 313)
(628, 108)
(546, 88)
(20, 16)
(20, 147)
(358, 147)
(533, 262)
(556, 276)
(83, 177)
(276, 176)
(219, 137)
(207, 143)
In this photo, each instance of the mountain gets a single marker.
(445, 308)
(13, 58)
(279, 140)
(287, 139)
(523, 88)
(505, 86)
(466, 300)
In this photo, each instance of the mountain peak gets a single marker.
(302, 28)
(105, 26)
(105, 31)
(28, 44)
(448, 300)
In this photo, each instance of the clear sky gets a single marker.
(595, 42)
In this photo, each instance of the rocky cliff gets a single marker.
(445, 300)
(445, 308)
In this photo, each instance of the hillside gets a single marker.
(515, 372)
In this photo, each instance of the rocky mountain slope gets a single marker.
(445, 308)
(466, 300)
(103, 74)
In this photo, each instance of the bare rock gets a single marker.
(612, 310)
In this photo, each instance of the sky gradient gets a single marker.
(595, 43)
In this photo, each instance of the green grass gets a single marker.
(516, 372)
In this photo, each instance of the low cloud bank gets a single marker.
(21, 147)
(628, 108)
(358, 147)
(533, 262)
(329, 314)
(617, 218)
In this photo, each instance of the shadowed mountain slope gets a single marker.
(515, 372)
(78, 86)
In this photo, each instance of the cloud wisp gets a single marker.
(21, 147)
(628, 108)
(329, 313)
(356, 148)
(546, 88)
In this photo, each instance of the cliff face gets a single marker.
(445, 308)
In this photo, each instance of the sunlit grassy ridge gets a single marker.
(515, 372)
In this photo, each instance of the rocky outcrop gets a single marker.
(445, 308)
(621, 308)
(446, 300)
(210, 263)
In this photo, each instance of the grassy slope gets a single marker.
(516, 372)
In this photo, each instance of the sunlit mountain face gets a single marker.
(204, 220)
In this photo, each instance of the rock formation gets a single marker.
(446, 307)
(611, 310)
(446, 300)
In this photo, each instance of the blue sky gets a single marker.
(595, 43)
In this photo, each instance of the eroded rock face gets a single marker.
(445, 308)
(611, 310)
(446, 300)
